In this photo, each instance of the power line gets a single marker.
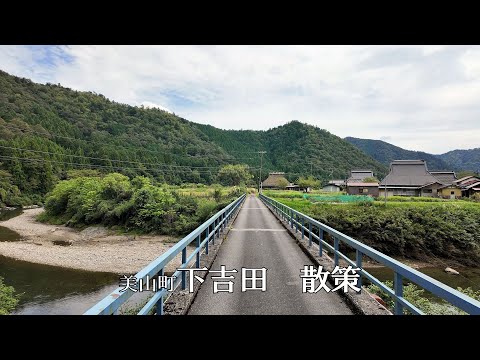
(46, 133)
(181, 171)
(111, 160)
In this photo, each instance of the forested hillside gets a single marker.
(386, 153)
(48, 130)
(457, 160)
(297, 149)
(463, 159)
(71, 129)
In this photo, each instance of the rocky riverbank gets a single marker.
(93, 249)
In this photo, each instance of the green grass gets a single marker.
(414, 199)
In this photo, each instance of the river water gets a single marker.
(50, 289)
(469, 277)
(54, 290)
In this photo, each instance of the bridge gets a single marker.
(269, 243)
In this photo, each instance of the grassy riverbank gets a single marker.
(410, 229)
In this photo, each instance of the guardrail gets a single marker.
(203, 235)
(308, 226)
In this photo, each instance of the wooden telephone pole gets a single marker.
(261, 165)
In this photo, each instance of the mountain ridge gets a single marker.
(47, 130)
(384, 152)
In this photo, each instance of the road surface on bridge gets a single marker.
(257, 239)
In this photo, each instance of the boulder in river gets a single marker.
(451, 271)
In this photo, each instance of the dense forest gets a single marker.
(297, 149)
(48, 130)
(457, 160)
(386, 153)
(463, 159)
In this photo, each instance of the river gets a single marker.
(469, 277)
(50, 289)
(55, 290)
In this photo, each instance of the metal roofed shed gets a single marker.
(360, 175)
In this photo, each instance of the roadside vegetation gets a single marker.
(135, 204)
(416, 296)
(8, 298)
(410, 229)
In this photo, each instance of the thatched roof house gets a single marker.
(411, 178)
(445, 177)
(274, 181)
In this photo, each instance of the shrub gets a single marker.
(8, 298)
(135, 205)
(415, 296)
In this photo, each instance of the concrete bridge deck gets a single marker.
(258, 240)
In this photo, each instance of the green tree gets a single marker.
(282, 183)
(8, 298)
(234, 175)
(310, 182)
(462, 174)
(371, 179)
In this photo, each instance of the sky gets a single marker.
(424, 98)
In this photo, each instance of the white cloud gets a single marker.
(471, 63)
(149, 104)
(406, 93)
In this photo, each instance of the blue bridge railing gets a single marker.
(202, 236)
(309, 226)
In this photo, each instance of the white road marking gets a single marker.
(276, 230)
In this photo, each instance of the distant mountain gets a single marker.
(463, 159)
(296, 149)
(458, 160)
(386, 153)
(46, 130)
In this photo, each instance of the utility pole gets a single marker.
(260, 177)
(385, 179)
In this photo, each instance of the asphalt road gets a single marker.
(258, 240)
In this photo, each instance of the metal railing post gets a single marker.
(398, 288)
(303, 230)
(359, 258)
(309, 233)
(335, 247)
(320, 244)
(291, 219)
(214, 231)
(197, 262)
(184, 273)
(208, 240)
(159, 304)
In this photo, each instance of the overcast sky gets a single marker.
(417, 97)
